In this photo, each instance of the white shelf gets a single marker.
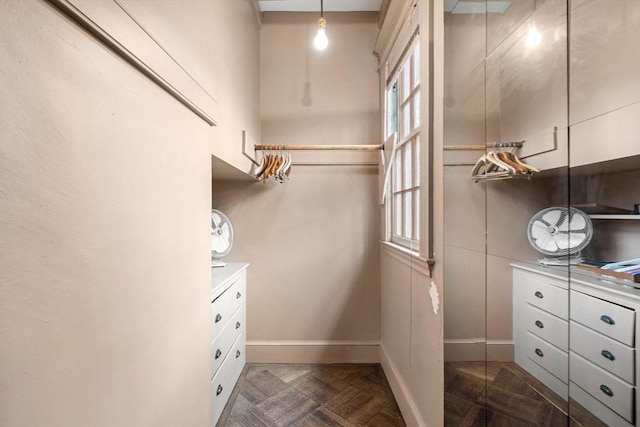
(613, 216)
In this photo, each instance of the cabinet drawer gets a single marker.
(238, 353)
(546, 296)
(547, 326)
(221, 387)
(549, 357)
(223, 342)
(224, 307)
(609, 354)
(607, 318)
(611, 391)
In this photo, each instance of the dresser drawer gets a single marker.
(224, 341)
(225, 379)
(608, 389)
(238, 354)
(607, 318)
(549, 357)
(225, 306)
(547, 326)
(609, 354)
(546, 296)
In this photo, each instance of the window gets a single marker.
(403, 126)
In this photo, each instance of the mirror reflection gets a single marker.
(540, 298)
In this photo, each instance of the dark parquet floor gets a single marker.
(503, 394)
(278, 395)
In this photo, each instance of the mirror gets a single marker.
(526, 342)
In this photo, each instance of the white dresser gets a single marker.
(228, 316)
(578, 336)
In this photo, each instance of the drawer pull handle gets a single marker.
(237, 325)
(539, 294)
(539, 324)
(219, 390)
(218, 317)
(218, 354)
(238, 295)
(608, 355)
(237, 353)
(608, 320)
(606, 390)
(539, 352)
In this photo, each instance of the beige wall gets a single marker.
(105, 198)
(235, 41)
(411, 342)
(313, 283)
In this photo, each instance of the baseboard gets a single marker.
(313, 352)
(401, 392)
(478, 350)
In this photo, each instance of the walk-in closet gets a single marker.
(385, 213)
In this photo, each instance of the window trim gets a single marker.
(405, 96)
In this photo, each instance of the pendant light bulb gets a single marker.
(321, 41)
(533, 37)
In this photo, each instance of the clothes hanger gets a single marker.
(283, 168)
(529, 167)
(261, 167)
(506, 158)
(495, 159)
(479, 166)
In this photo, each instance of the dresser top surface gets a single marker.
(221, 277)
(577, 275)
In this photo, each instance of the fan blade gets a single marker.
(577, 223)
(552, 217)
(562, 240)
(546, 243)
(216, 219)
(576, 239)
(538, 229)
(218, 244)
(225, 231)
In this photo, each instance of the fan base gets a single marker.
(562, 260)
(217, 263)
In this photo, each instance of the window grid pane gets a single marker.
(416, 110)
(416, 161)
(408, 216)
(406, 119)
(397, 173)
(416, 214)
(407, 166)
(406, 80)
(397, 212)
(416, 67)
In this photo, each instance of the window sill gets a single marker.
(406, 256)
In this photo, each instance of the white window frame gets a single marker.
(404, 189)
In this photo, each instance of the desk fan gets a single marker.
(560, 233)
(221, 237)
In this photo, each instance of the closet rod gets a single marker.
(356, 147)
(480, 147)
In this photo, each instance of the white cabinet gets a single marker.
(577, 334)
(228, 317)
(604, 74)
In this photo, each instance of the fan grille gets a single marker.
(221, 234)
(559, 231)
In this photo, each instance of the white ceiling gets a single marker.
(314, 5)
